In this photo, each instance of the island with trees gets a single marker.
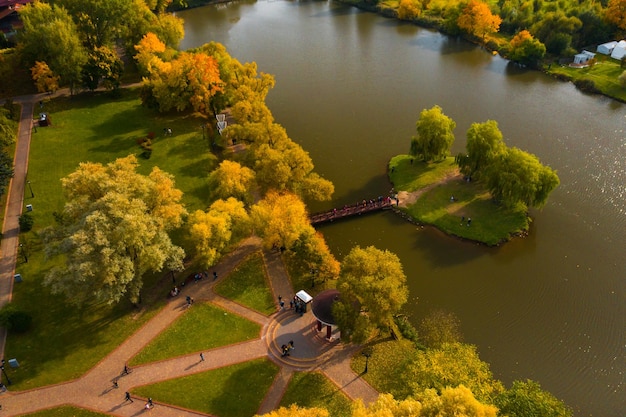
(124, 211)
(482, 194)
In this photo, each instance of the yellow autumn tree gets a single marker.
(44, 78)
(616, 13)
(477, 20)
(409, 9)
(295, 411)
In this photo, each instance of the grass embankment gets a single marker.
(312, 389)
(232, 391)
(66, 411)
(604, 75)
(436, 183)
(247, 284)
(66, 341)
(202, 327)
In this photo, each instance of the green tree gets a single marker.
(519, 177)
(374, 280)
(51, 36)
(103, 65)
(434, 135)
(113, 229)
(485, 144)
(525, 49)
(99, 22)
(555, 31)
(230, 179)
(451, 365)
(526, 399)
(311, 250)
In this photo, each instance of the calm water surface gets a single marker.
(349, 88)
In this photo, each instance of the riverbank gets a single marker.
(436, 194)
(601, 78)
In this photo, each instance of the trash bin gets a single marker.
(29, 207)
(13, 363)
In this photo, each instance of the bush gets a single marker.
(26, 222)
(15, 320)
(407, 330)
(587, 86)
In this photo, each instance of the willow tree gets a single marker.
(434, 135)
(113, 229)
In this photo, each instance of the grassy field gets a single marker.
(604, 74)
(490, 223)
(202, 327)
(248, 285)
(66, 341)
(312, 389)
(386, 365)
(232, 391)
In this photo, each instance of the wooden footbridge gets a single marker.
(366, 206)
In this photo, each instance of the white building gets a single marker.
(583, 57)
(619, 51)
(606, 48)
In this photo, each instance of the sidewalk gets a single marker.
(94, 390)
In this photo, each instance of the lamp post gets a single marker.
(24, 254)
(32, 195)
(5, 373)
(367, 352)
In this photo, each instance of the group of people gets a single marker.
(286, 348)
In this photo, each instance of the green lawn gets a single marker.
(65, 411)
(491, 223)
(604, 75)
(248, 285)
(313, 389)
(386, 365)
(233, 391)
(202, 327)
(65, 341)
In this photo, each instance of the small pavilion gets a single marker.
(322, 308)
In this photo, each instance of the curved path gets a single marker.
(95, 391)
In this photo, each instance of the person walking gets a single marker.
(201, 357)
(127, 397)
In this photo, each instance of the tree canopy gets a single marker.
(451, 365)
(478, 20)
(373, 289)
(434, 135)
(113, 229)
(526, 398)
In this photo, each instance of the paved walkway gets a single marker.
(95, 391)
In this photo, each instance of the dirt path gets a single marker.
(408, 198)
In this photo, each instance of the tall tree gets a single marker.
(478, 20)
(526, 398)
(230, 179)
(280, 218)
(213, 231)
(485, 144)
(311, 250)
(519, 177)
(434, 135)
(451, 365)
(525, 49)
(615, 13)
(113, 229)
(103, 65)
(374, 280)
(51, 36)
(99, 22)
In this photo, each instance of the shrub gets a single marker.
(26, 222)
(587, 86)
(15, 320)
